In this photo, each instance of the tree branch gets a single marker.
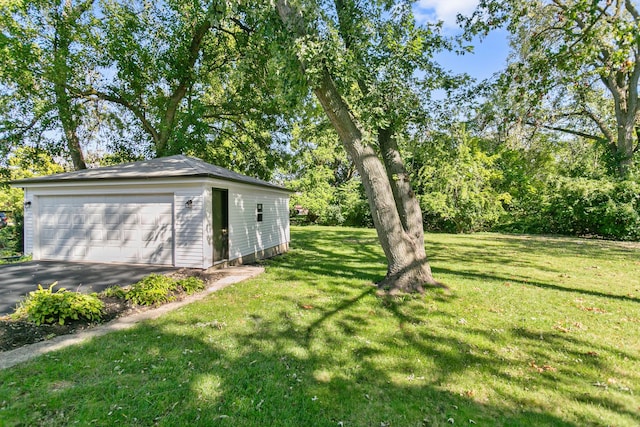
(116, 99)
(632, 9)
(569, 131)
(180, 91)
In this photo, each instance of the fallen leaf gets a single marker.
(543, 368)
(561, 328)
(593, 309)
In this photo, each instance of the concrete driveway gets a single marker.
(17, 280)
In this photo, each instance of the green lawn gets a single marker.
(534, 331)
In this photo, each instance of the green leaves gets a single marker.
(46, 306)
(158, 289)
(574, 68)
(458, 183)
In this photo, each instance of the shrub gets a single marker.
(153, 289)
(190, 285)
(114, 292)
(46, 306)
(580, 206)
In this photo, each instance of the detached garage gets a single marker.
(177, 211)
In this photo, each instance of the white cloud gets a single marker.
(443, 10)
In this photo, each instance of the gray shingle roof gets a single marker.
(163, 167)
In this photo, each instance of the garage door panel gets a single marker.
(96, 236)
(111, 218)
(93, 219)
(78, 219)
(130, 219)
(128, 229)
(155, 235)
(63, 220)
(80, 251)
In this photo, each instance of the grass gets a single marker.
(534, 331)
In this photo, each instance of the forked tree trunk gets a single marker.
(408, 269)
(61, 77)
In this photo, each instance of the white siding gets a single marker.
(247, 236)
(28, 222)
(191, 240)
(207, 226)
(188, 225)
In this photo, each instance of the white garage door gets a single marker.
(125, 229)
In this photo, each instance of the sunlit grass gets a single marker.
(534, 331)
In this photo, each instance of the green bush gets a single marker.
(46, 306)
(114, 292)
(9, 244)
(153, 289)
(190, 285)
(580, 206)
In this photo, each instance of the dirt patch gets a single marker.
(18, 333)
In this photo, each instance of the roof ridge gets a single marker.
(179, 165)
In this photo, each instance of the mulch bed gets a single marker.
(17, 333)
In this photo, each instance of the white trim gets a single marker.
(248, 238)
(155, 182)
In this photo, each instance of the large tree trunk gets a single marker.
(61, 78)
(625, 147)
(406, 202)
(408, 269)
(167, 124)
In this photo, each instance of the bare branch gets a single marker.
(632, 9)
(116, 99)
(569, 131)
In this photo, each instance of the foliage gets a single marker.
(114, 292)
(574, 69)
(324, 180)
(192, 78)
(46, 306)
(23, 162)
(16, 259)
(158, 289)
(151, 290)
(529, 334)
(609, 209)
(9, 241)
(190, 285)
(457, 183)
(45, 51)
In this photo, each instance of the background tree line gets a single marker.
(343, 102)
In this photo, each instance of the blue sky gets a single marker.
(489, 54)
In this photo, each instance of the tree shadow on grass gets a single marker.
(350, 359)
(270, 378)
(333, 353)
(366, 262)
(537, 284)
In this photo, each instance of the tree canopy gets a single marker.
(575, 68)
